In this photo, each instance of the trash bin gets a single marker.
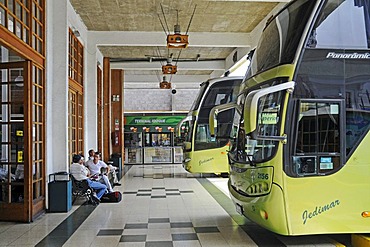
(60, 192)
(117, 161)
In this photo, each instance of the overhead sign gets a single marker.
(151, 122)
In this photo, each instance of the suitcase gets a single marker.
(115, 196)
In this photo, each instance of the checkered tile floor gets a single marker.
(170, 231)
(162, 206)
(176, 210)
(158, 192)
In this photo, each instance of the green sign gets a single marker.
(269, 118)
(153, 120)
(150, 122)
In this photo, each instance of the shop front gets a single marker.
(151, 139)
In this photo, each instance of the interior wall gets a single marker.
(158, 99)
(91, 58)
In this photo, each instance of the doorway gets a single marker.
(22, 180)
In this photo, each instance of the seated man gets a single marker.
(80, 172)
(95, 166)
(113, 171)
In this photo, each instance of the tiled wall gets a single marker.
(159, 99)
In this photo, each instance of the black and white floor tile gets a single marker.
(162, 205)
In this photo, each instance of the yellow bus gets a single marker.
(201, 153)
(300, 162)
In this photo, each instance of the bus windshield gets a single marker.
(220, 92)
(280, 39)
(196, 103)
(261, 144)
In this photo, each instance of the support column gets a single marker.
(57, 87)
(90, 99)
(107, 144)
(117, 110)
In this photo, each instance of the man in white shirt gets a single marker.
(80, 172)
(95, 166)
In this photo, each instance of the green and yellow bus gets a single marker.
(300, 162)
(201, 153)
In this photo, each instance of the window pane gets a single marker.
(10, 6)
(36, 190)
(40, 153)
(269, 114)
(2, 16)
(18, 30)
(18, 11)
(318, 128)
(10, 23)
(328, 123)
(281, 37)
(17, 193)
(26, 18)
(343, 24)
(25, 34)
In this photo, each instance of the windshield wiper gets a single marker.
(251, 160)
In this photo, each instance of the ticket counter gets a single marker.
(157, 148)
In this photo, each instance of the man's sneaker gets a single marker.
(96, 199)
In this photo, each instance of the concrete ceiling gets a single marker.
(133, 37)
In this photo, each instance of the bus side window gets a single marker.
(357, 124)
(318, 145)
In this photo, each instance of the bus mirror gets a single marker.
(179, 125)
(250, 113)
(251, 108)
(214, 113)
(187, 146)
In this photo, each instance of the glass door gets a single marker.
(158, 147)
(133, 148)
(22, 167)
(13, 106)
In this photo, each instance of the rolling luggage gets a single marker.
(115, 196)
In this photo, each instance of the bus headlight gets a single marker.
(187, 160)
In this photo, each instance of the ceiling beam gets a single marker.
(156, 79)
(156, 85)
(200, 65)
(263, 1)
(196, 39)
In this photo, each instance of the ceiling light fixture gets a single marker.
(176, 40)
(169, 68)
(164, 84)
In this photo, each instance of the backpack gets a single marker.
(114, 196)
